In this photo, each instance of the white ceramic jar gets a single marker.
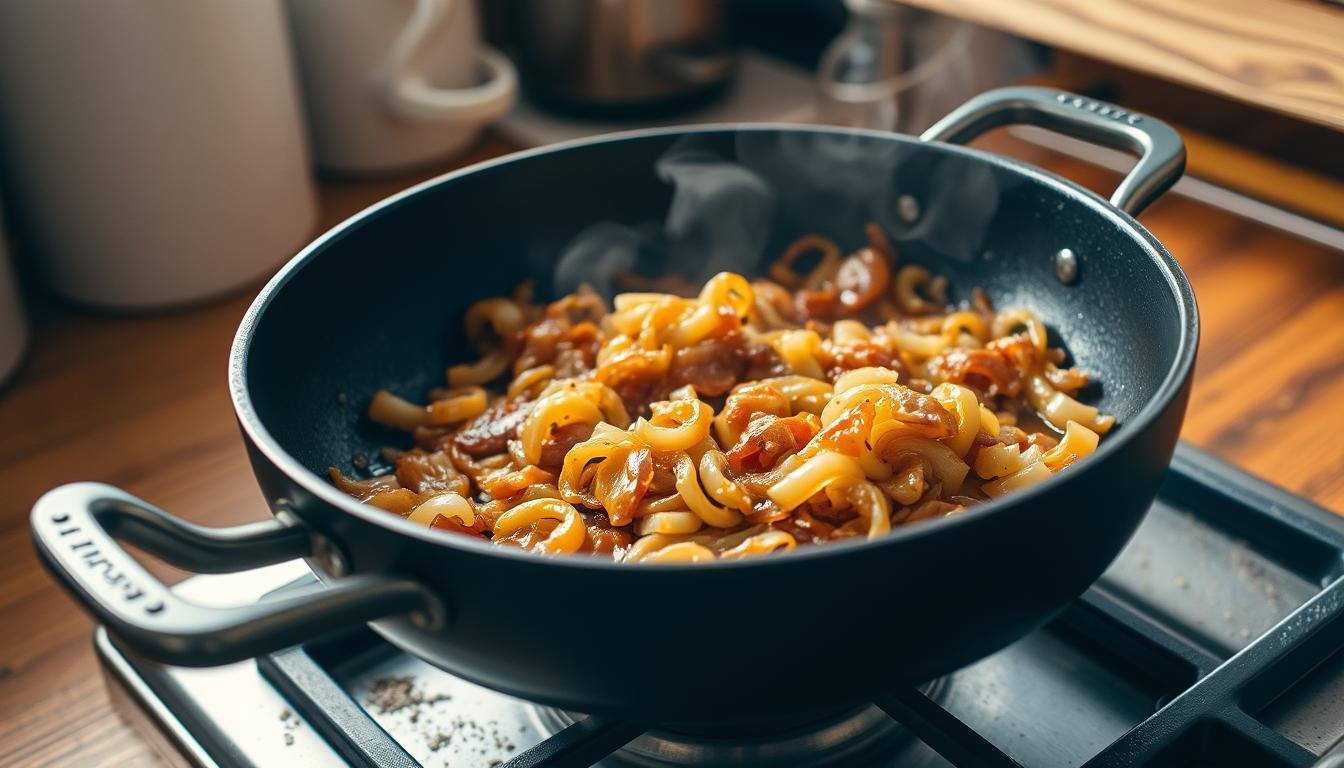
(154, 150)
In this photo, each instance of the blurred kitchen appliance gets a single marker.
(623, 58)
(13, 323)
(154, 150)
(391, 84)
(900, 68)
(764, 90)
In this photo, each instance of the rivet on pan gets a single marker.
(334, 562)
(1066, 266)
(328, 557)
(432, 616)
(908, 208)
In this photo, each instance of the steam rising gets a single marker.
(726, 213)
(720, 214)
(597, 254)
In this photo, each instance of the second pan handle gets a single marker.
(1160, 149)
(75, 528)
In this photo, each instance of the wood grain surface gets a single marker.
(1285, 55)
(141, 402)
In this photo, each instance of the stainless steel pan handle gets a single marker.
(1161, 152)
(75, 528)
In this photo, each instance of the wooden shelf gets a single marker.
(1284, 55)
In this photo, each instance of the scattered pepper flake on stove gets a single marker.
(360, 461)
(342, 399)
(393, 694)
(453, 736)
(1254, 573)
(439, 741)
(291, 722)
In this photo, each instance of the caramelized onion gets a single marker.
(767, 439)
(621, 481)
(861, 279)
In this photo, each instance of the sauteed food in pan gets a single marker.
(824, 403)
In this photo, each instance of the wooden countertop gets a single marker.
(1283, 55)
(142, 403)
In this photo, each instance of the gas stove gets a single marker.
(1216, 638)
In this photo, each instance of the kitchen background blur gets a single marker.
(160, 160)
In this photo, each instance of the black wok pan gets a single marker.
(378, 300)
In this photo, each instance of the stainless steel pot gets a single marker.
(623, 57)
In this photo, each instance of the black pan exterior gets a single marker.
(378, 301)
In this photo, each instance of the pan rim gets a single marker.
(255, 431)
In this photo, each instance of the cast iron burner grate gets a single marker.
(1217, 638)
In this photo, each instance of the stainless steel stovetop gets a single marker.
(1215, 639)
